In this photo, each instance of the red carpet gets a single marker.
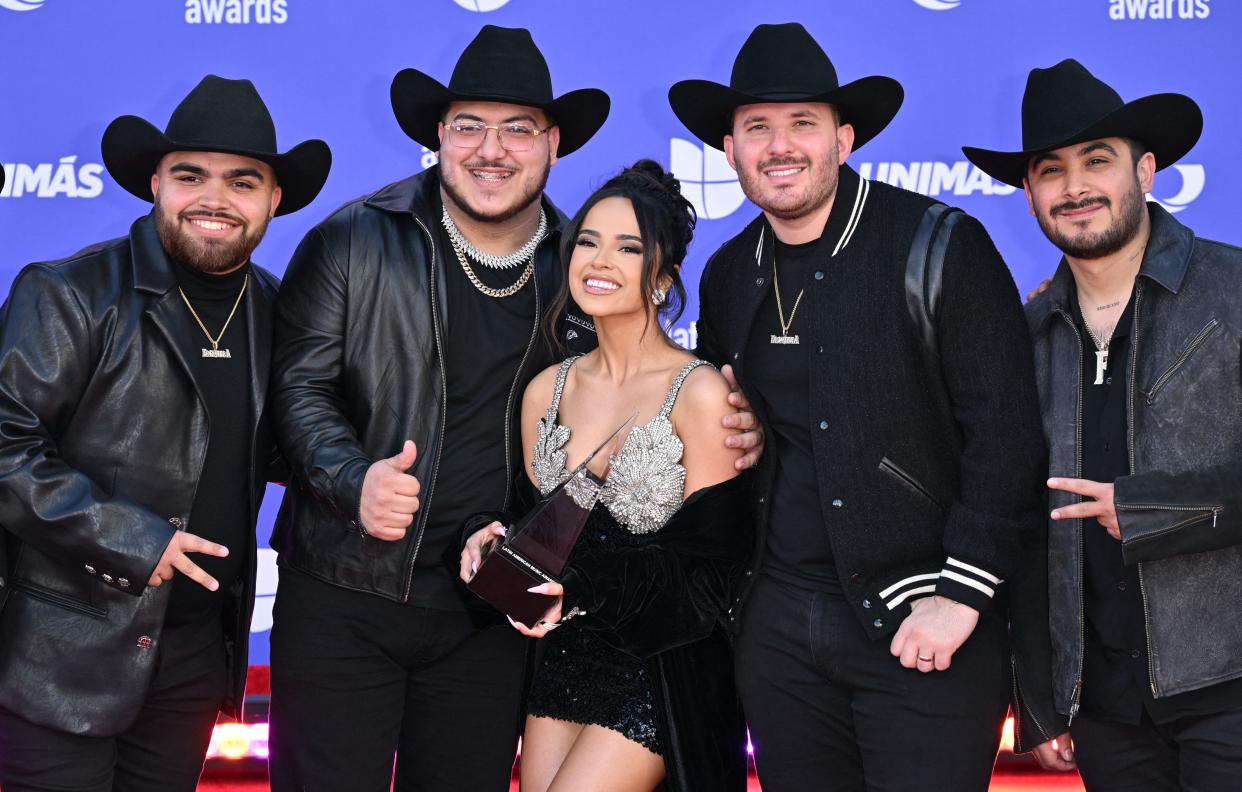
(1004, 781)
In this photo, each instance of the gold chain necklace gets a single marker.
(216, 351)
(784, 337)
(488, 290)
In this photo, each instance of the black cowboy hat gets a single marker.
(499, 65)
(1066, 104)
(782, 63)
(218, 115)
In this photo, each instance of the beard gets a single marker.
(1098, 244)
(532, 189)
(210, 256)
(783, 202)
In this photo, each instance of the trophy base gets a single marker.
(502, 580)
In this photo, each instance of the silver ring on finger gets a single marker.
(923, 659)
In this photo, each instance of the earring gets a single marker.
(658, 296)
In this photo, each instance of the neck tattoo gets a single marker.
(1113, 304)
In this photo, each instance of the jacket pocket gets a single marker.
(909, 482)
(1196, 342)
(60, 600)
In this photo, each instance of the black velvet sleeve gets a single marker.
(675, 589)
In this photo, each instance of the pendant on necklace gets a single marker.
(1101, 365)
(216, 353)
(784, 339)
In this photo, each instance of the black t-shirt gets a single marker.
(798, 548)
(1116, 682)
(485, 339)
(221, 509)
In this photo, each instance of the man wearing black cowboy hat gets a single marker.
(905, 479)
(1137, 343)
(134, 451)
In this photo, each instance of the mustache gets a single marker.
(1073, 206)
(486, 164)
(804, 162)
(209, 215)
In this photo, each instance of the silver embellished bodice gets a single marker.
(645, 478)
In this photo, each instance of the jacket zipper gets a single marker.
(1138, 297)
(1076, 693)
(517, 376)
(1171, 370)
(60, 600)
(1200, 512)
(1017, 705)
(425, 507)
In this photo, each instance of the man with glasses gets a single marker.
(407, 329)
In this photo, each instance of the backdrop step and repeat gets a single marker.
(68, 67)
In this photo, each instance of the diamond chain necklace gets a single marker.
(490, 260)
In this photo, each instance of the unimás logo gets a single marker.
(706, 179)
(21, 5)
(935, 178)
(1193, 179)
(65, 178)
(939, 5)
(481, 6)
(1158, 9)
(236, 12)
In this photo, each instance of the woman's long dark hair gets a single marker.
(665, 223)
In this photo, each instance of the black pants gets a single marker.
(1192, 754)
(357, 679)
(161, 752)
(830, 709)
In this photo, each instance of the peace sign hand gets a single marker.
(1100, 506)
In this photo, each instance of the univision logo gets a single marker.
(939, 5)
(481, 6)
(53, 180)
(21, 5)
(706, 179)
(1193, 179)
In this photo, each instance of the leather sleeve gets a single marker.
(675, 589)
(1030, 647)
(47, 356)
(988, 369)
(308, 404)
(1162, 515)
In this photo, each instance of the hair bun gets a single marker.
(655, 171)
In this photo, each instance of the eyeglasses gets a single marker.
(512, 137)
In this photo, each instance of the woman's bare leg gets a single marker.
(545, 744)
(601, 760)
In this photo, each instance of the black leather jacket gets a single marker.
(1180, 509)
(359, 367)
(102, 439)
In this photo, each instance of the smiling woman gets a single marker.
(647, 584)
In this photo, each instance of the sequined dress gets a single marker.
(582, 678)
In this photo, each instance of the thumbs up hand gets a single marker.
(390, 495)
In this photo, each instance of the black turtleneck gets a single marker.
(221, 509)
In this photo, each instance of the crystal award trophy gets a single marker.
(536, 548)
